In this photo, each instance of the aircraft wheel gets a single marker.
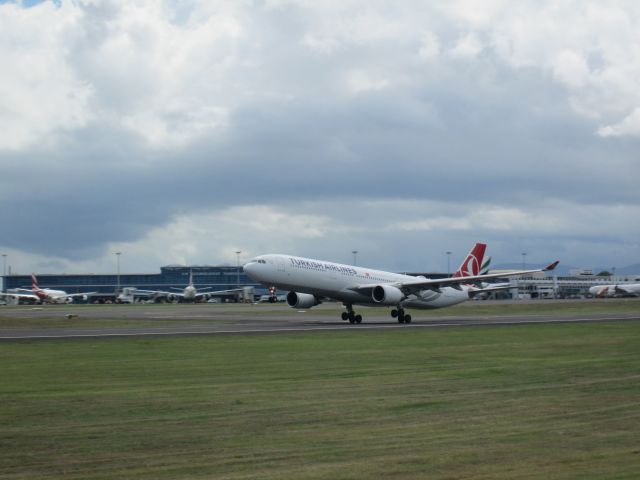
(394, 313)
(345, 316)
(358, 319)
(352, 320)
(407, 319)
(400, 318)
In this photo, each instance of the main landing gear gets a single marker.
(351, 315)
(400, 315)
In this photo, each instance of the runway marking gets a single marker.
(329, 328)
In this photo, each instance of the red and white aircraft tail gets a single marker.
(40, 293)
(473, 263)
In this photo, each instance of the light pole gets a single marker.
(524, 263)
(448, 263)
(4, 272)
(238, 252)
(117, 254)
(355, 252)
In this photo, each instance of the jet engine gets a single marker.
(68, 300)
(387, 295)
(301, 300)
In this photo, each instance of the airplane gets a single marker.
(189, 293)
(602, 291)
(45, 295)
(310, 281)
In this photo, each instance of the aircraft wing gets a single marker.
(176, 294)
(21, 295)
(72, 295)
(454, 282)
(490, 289)
(158, 293)
(182, 289)
(217, 292)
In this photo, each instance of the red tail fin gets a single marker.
(34, 282)
(471, 264)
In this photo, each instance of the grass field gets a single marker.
(25, 317)
(548, 401)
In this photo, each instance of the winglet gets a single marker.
(552, 266)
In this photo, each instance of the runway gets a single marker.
(118, 321)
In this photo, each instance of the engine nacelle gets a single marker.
(68, 300)
(301, 300)
(387, 295)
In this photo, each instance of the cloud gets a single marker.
(630, 125)
(467, 47)
(42, 94)
(177, 132)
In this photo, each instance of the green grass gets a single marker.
(546, 401)
(91, 316)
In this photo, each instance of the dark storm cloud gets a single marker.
(278, 154)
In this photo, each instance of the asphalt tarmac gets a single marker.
(185, 320)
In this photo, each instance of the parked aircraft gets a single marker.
(615, 290)
(45, 295)
(310, 281)
(189, 294)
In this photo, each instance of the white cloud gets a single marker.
(359, 81)
(41, 93)
(429, 46)
(177, 125)
(213, 238)
(571, 69)
(630, 125)
(129, 65)
(330, 228)
(404, 234)
(468, 46)
(590, 48)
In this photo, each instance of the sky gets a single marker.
(181, 132)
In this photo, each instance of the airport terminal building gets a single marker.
(176, 277)
(170, 277)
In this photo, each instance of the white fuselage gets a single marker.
(613, 290)
(334, 280)
(190, 293)
(52, 296)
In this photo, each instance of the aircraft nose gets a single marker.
(249, 268)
